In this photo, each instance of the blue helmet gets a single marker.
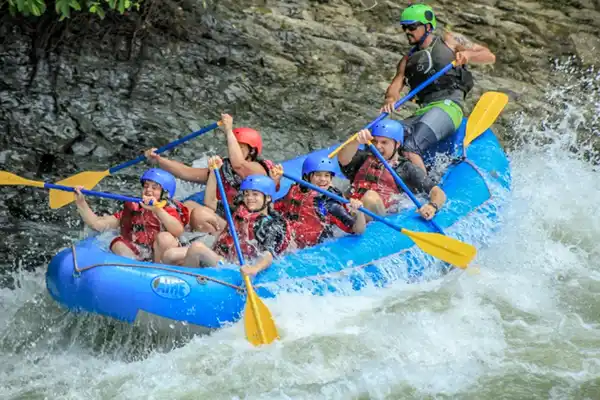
(316, 162)
(163, 178)
(390, 129)
(260, 183)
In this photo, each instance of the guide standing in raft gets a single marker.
(441, 102)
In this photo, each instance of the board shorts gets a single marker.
(197, 197)
(431, 124)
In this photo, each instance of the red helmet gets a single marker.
(250, 137)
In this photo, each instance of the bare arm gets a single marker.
(360, 224)
(392, 94)
(261, 264)
(91, 219)
(437, 196)
(171, 224)
(240, 165)
(210, 192)
(347, 153)
(181, 171)
(264, 262)
(476, 53)
(276, 173)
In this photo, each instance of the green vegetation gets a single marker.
(64, 8)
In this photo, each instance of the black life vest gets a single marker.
(424, 63)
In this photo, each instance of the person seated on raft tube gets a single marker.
(372, 182)
(147, 231)
(311, 214)
(244, 147)
(441, 101)
(262, 232)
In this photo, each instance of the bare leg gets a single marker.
(203, 219)
(122, 249)
(198, 255)
(372, 201)
(174, 256)
(163, 242)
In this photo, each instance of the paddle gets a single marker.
(483, 116)
(487, 109)
(89, 179)
(443, 247)
(401, 183)
(409, 96)
(258, 321)
(6, 178)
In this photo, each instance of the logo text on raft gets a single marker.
(170, 287)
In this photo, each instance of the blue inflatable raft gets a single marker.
(88, 278)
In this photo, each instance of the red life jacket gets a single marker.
(232, 181)
(310, 222)
(245, 222)
(141, 226)
(373, 175)
(300, 209)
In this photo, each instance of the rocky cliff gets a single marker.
(87, 94)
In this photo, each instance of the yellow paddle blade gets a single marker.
(87, 179)
(334, 153)
(258, 321)
(445, 248)
(487, 109)
(6, 178)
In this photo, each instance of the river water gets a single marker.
(525, 324)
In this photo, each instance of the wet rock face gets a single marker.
(306, 73)
(317, 68)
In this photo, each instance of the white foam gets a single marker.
(526, 326)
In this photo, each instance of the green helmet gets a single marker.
(418, 13)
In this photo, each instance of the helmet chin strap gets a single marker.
(424, 37)
(396, 148)
(265, 203)
(164, 195)
(421, 41)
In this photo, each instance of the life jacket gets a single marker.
(246, 224)
(141, 226)
(232, 181)
(373, 175)
(423, 63)
(308, 216)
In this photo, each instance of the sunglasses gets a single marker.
(411, 27)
